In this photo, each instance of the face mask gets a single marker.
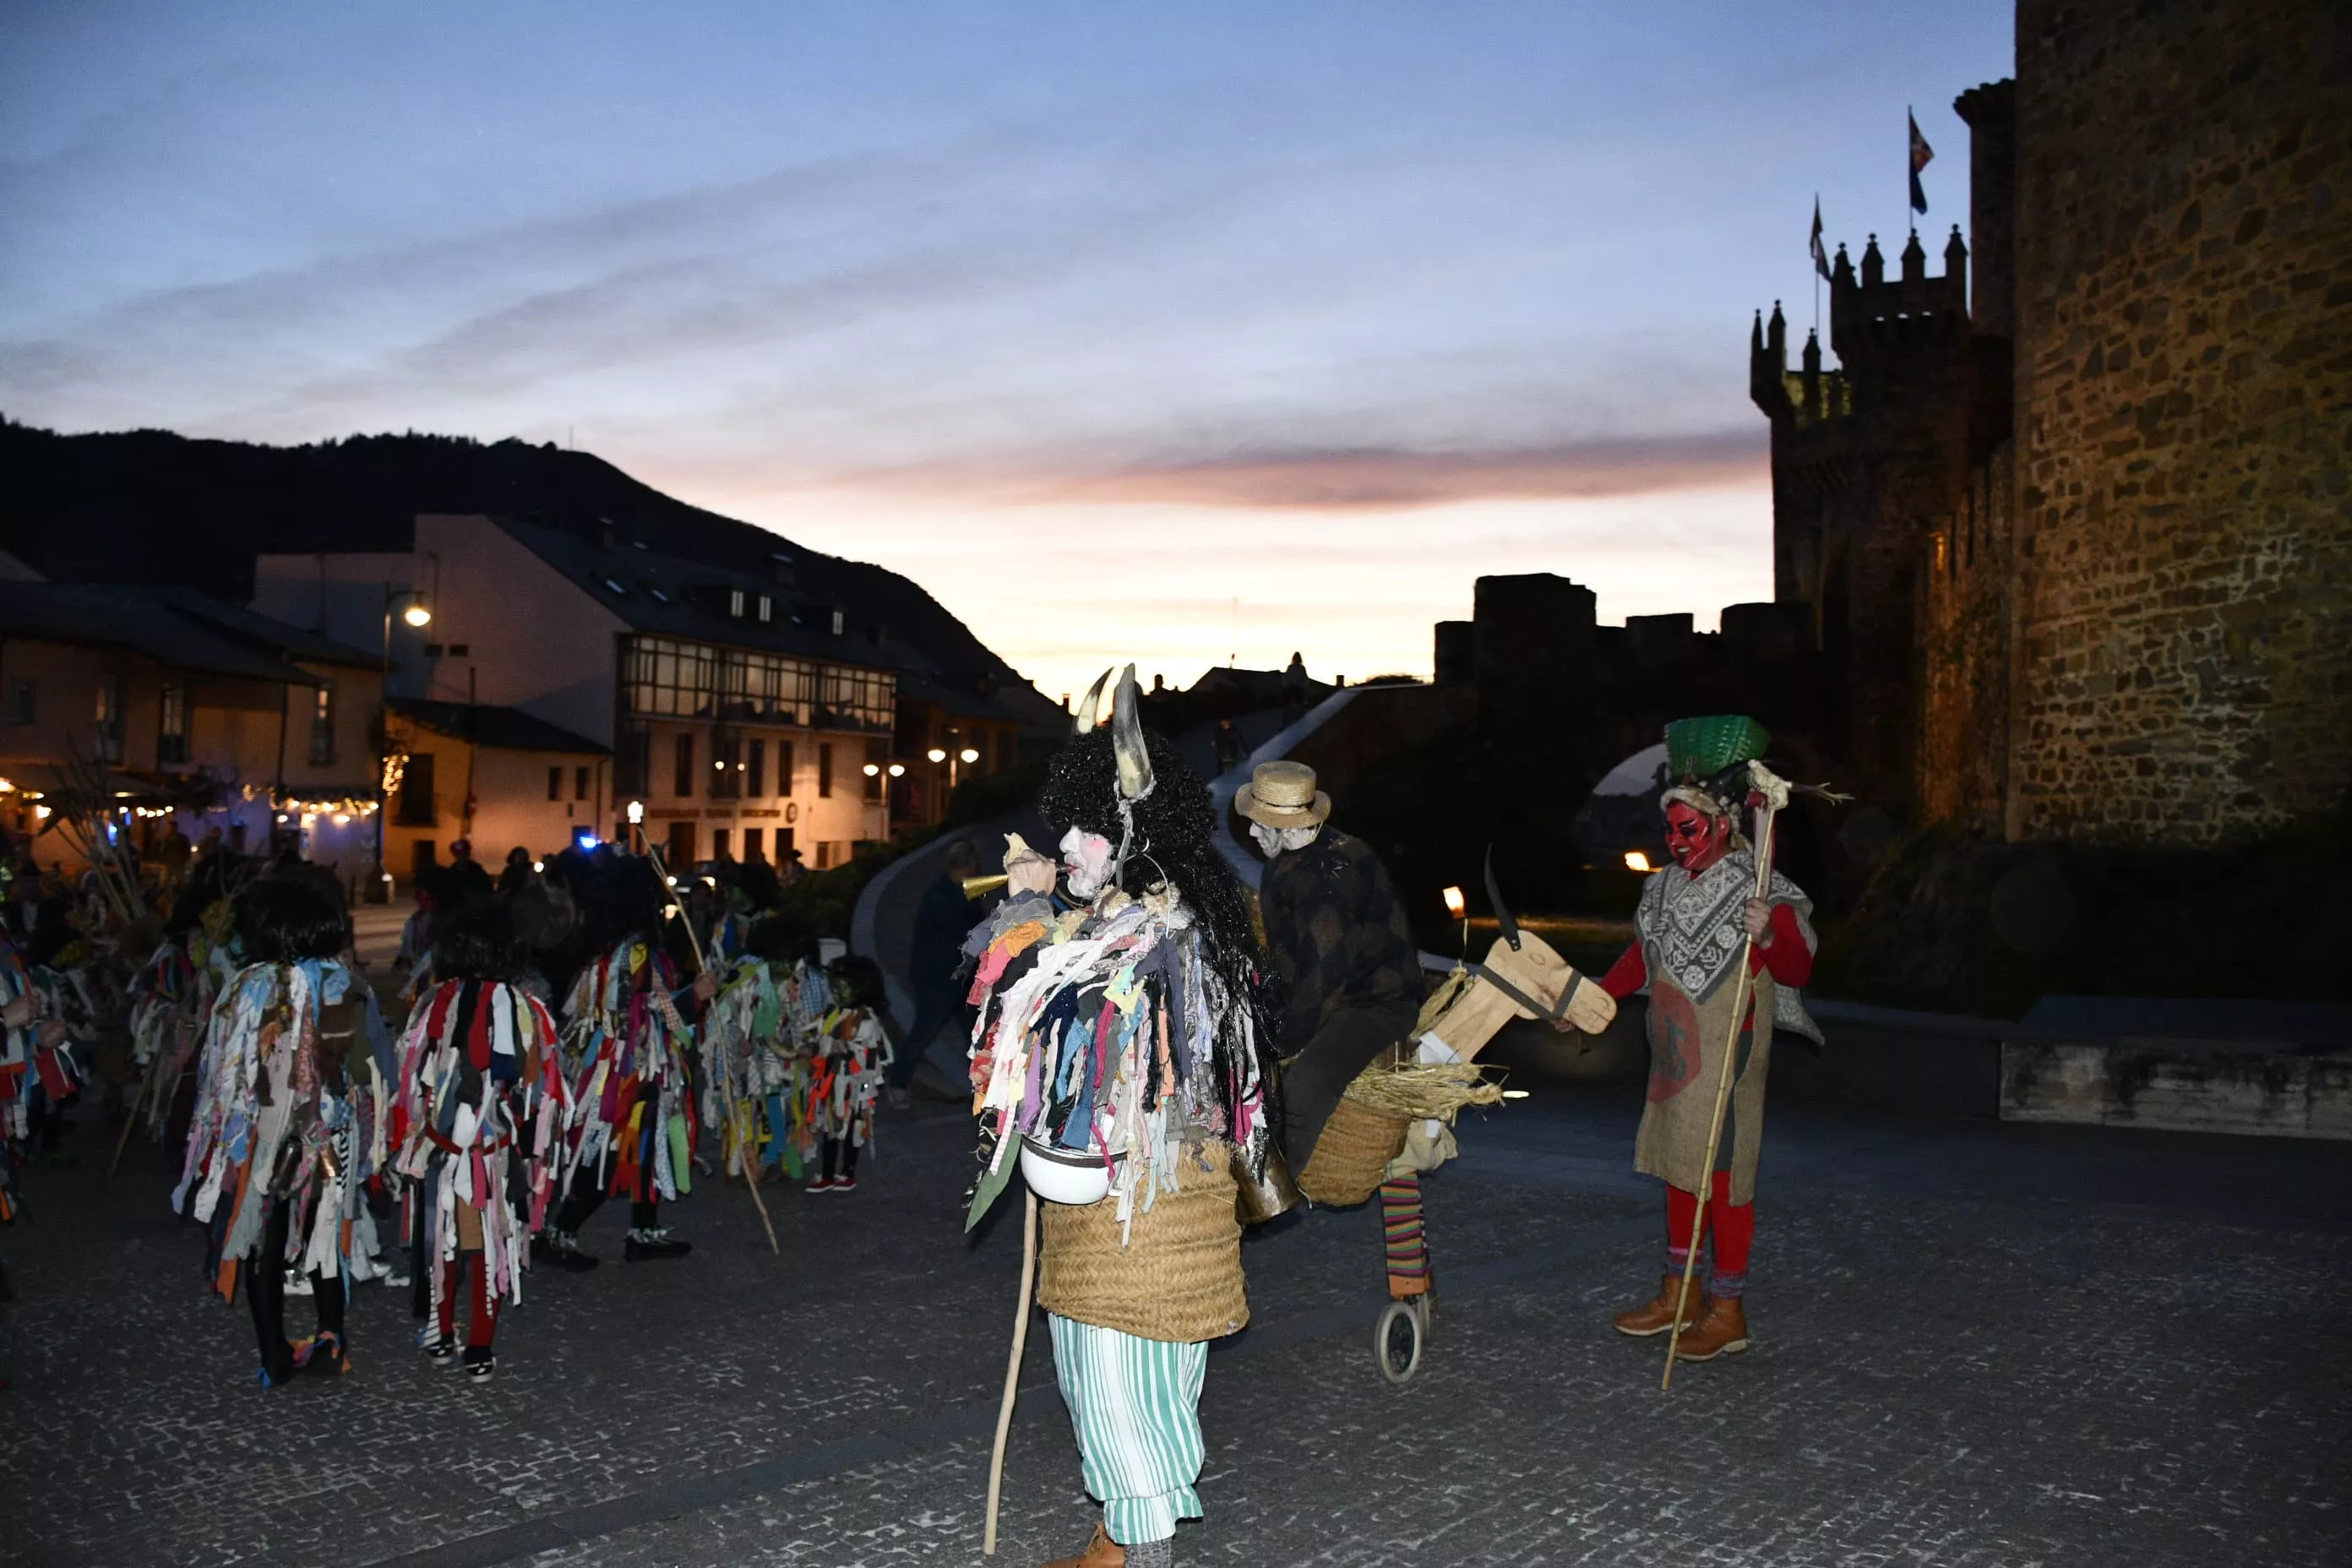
(1086, 859)
(1695, 839)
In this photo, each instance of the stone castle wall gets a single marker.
(2184, 416)
(1965, 632)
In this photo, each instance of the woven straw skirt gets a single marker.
(1351, 1155)
(1178, 1279)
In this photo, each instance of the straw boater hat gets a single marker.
(1283, 794)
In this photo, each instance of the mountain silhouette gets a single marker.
(154, 507)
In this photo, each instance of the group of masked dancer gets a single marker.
(1153, 1063)
(556, 1047)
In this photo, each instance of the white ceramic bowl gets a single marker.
(1063, 1175)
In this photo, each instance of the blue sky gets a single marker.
(1093, 318)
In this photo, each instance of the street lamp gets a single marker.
(415, 613)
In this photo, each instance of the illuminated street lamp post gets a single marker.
(415, 615)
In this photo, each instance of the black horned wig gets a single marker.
(1173, 841)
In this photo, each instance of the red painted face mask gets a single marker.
(1695, 839)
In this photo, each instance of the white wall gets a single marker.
(533, 639)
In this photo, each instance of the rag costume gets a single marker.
(630, 1128)
(849, 1054)
(1689, 936)
(482, 1096)
(30, 1072)
(754, 1038)
(286, 1130)
(1118, 1055)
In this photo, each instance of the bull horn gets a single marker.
(1090, 707)
(1135, 778)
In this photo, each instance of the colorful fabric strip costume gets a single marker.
(482, 1100)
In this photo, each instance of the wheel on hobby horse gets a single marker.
(1399, 1337)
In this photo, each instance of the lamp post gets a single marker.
(415, 615)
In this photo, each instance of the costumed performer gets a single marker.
(755, 1037)
(1692, 924)
(631, 1126)
(849, 1054)
(287, 1126)
(1119, 1049)
(1338, 938)
(478, 1064)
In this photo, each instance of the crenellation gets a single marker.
(2096, 504)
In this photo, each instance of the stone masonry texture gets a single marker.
(2184, 404)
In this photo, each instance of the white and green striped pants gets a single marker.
(1136, 1406)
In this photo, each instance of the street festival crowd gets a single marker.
(1162, 1056)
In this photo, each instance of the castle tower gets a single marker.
(1866, 459)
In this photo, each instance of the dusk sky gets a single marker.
(1091, 318)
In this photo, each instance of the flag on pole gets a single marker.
(1921, 157)
(1820, 255)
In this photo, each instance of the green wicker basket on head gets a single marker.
(1702, 748)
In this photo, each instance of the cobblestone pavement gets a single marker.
(1974, 1345)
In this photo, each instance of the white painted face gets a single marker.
(1086, 861)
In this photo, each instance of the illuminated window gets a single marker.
(671, 678)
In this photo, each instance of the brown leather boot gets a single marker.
(1658, 1316)
(1102, 1551)
(1721, 1330)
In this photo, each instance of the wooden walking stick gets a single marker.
(702, 965)
(131, 1113)
(1775, 790)
(1012, 1372)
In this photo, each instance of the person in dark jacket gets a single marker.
(1337, 936)
(942, 921)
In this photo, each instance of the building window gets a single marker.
(752, 840)
(857, 699)
(668, 679)
(415, 809)
(555, 784)
(761, 686)
(20, 701)
(633, 759)
(682, 768)
(784, 768)
(107, 738)
(322, 726)
(766, 608)
(877, 758)
(723, 844)
(824, 770)
(735, 603)
(172, 724)
(755, 774)
(681, 848)
(580, 784)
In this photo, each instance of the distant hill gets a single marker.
(149, 506)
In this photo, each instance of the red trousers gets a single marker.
(1732, 1224)
(482, 1318)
